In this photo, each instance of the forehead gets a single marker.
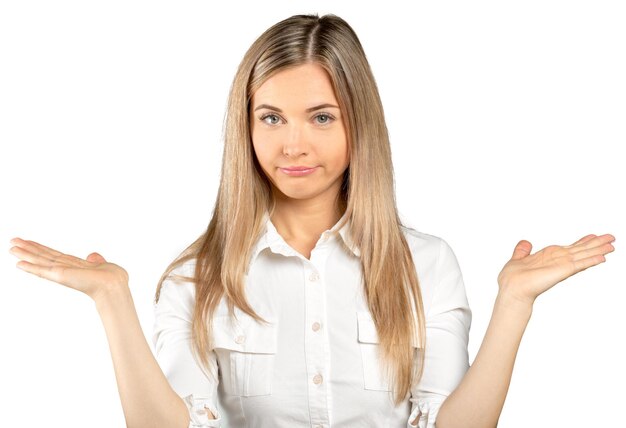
(295, 86)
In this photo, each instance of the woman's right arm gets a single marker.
(148, 400)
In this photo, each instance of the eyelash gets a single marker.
(330, 116)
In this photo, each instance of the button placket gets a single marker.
(316, 343)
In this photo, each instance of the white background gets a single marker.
(506, 121)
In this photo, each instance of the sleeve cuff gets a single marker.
(199, 418)
(425, 412)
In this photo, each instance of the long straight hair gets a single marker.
(367, 195)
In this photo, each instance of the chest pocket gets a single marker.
(246, 352)
(373, 377)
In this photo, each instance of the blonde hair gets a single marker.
(367, 194)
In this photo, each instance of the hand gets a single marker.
(92, 276)
(526, 276)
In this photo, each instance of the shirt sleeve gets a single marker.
(172, 343)
(446, 357)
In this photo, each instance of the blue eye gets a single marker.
(266, 116)
(328, 117)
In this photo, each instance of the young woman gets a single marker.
(306, 302)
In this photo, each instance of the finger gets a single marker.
(581, 240)
(48, 253)
(35, 247)
(30, 257)
(95, 258)
(53, 273)
(588, 262)
(35, 256)
(591, 252)
(522, 249)
(593, 242)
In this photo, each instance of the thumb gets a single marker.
(522, 249)
(95, 258)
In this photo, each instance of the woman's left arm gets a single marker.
(478, 400)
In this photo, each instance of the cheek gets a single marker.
(266, 146)
(345, 160)
(341, 155)
(262, 154)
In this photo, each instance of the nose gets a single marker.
(295, 142)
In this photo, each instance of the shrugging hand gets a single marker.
(527, 275)
(92, 276)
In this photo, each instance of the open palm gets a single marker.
(91, 276)
(527, 275)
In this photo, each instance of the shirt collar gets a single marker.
(270, 238)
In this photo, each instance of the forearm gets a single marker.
(478, 400)
(147, 398)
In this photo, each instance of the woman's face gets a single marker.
(295, 121)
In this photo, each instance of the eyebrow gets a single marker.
(325, 105)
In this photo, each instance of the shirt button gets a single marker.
(316, 326)
(314, 276)
(240, 339)
(317, 379)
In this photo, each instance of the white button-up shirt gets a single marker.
(316, 364)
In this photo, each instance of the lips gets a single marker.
(299, 171)
(298, 168)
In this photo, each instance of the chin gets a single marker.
(293, 192)
(298, 195)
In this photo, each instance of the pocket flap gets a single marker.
(367, 328)
(367, 332)
(249, 336)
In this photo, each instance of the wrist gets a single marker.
(514, 303)
(110, 297)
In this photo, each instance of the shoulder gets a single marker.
(187, 268)
(178, 288)
(421, 240)
(432, 257)
(425, 247)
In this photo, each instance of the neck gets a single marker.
(305, 220)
